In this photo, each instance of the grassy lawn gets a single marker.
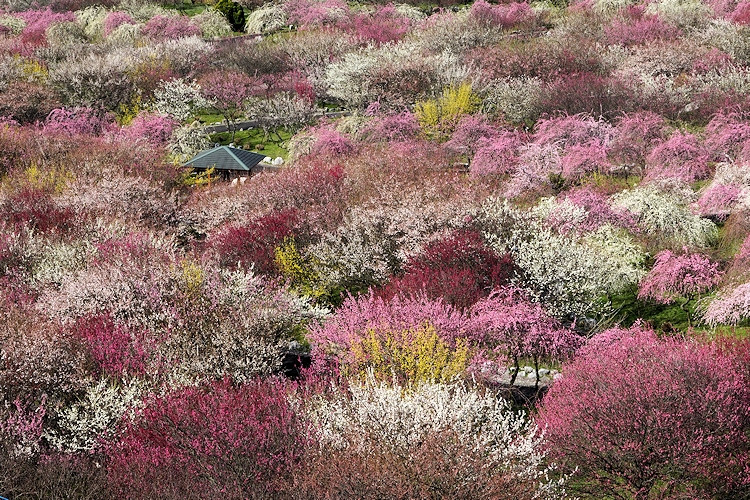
(253, 140)
(210, 118)
(187, 8)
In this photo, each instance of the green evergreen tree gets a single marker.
(233, 12)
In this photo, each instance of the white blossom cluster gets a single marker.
(570, 273)
(457, 34)
(178, 99)
(267, 18)
(213, 24)
(13, 23)
(682, 13)
(729, 37)
(84, 424)
(187, 141)
(400, 418)
(91, 20)
(517, 99)
(351, 81)
(665, 216)
(376, 240)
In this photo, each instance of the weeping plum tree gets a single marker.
(679, 278)
(228, 93)
(520, 328)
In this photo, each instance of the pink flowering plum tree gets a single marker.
(517, 327)
(384, 25)
(496, 155)
(679, 277)
(331, 143)
(726, 135)
(358, 316)
(392, 127)
(161, 27)
(315, 13)
(37, 22)
(636, 416)
(634, 136)
(470, 130)
(153, 129)
(227, 93)
(115, 20)
(682, 156)
(719, 200)
(76, 121)
(731, 306)
(500, 16)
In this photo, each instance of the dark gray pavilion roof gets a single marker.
(225, 158)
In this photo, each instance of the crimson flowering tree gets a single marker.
(517, 328)
(741, 14)
(34, 207)
(458, 268)
(635, 416)
(254, 243)
(117, 350)
(216, 440)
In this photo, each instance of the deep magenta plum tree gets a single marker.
(254, 243)
(459, 268)
(217, 440)
(635, 416)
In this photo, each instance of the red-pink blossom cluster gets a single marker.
(218, 439)
(637, 415)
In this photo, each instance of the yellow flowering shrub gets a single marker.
(438, 117)
(414, 355)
